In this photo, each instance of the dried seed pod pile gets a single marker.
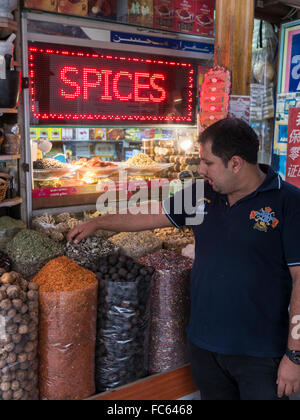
(30, 251)
(123, 321)
(49, 164)
(18, 338)
(88, 251)
(175, 239)
(55, 227)
(170, 309)
(137, 244)
(67, 333)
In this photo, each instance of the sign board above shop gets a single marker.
(71, 85)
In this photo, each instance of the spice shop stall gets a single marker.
(101, 97)
(108, 107)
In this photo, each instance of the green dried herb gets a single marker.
(30, 251)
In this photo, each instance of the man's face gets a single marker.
(213, 169)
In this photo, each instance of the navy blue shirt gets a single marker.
(241, 283)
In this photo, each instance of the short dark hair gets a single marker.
(232, 137)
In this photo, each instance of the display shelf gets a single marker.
(168, 386)
(7, 26)
(11, 202)
(4, 158)
(8, 111)
(88, 141)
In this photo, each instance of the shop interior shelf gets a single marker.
(11, 202)
(4, 158)
(7, 26)
(8, 111)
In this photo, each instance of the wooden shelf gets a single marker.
(7, 27)
(11, 202)
(8, 111)
(3, 158)
(167, 386)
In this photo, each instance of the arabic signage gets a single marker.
(79, 86)
(293, 148)
(166, 43)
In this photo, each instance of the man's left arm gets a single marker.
(289, 372)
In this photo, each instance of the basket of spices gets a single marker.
(67, 333)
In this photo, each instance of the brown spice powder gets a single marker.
(67, 331)
(64, 275)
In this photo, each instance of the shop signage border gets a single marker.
(289, 65)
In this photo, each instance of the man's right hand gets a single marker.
(82, 231)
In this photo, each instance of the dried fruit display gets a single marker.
(123, 321)
(55, 227)
(175, 239)
(137, 244)
(18, 338)
(49, 164)
(170, 309)
(88, 251)
(68, 312)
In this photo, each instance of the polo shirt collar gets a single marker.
(272, 182)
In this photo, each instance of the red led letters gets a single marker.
(142, 87)
(100, 86)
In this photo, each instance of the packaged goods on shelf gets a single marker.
(30, 251)
(18, 338)
(8, 229)
(68, 312)
(103, 9)
(88, 251)
(46, 5)
(71, 7)
(137, 244)
(170, 308)
(164, 14)
(175, 239)
(123, 321)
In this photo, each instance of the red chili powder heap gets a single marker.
(64, 275)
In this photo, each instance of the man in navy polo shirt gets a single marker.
(244, 342)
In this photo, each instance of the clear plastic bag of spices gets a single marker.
(123, 322)
(170, 309)
(18, 338)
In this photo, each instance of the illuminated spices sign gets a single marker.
(75, 86)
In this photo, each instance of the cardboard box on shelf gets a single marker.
(184, 15)
(73, 7)
(204, 17)
(164, 14)
(46, 5)
(103, 9)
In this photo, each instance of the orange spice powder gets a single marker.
(64, 275)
